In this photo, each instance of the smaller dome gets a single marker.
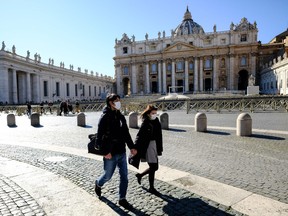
(188, 26)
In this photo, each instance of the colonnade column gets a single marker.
(37, 87)
(173, 75)
(4, 96)
(28, 87)
(159, 78)
(215, 77)
(118, 80)
(231, 72)
(15, 89)
(186, 89)
(164, 77)
(147, 80)
(201, 75)
(134, 79)
(253, 64)
(196, 75)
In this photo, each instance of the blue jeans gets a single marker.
(119, 160)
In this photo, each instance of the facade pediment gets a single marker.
(180, 46)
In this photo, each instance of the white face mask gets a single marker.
(117, 105)
(153, 116)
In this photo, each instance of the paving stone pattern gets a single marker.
(83, 172)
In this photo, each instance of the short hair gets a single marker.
(111, 97)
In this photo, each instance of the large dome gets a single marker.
(188, 26)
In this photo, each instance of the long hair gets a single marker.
(147, 111)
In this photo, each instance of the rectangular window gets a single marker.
(223, 41)
(126, 70)
(180, 66)
(125, 50)
(243, 61)
(169, 67)
(95, 91)
(89, 88)
(57, 89)
(99, 90)
(67, 90)
(191, 66)
(45, 88)
(243, 37)
(140, 50)
(208, 64)
(76, 90)
(153, 47)
(83, 90)
(153, 68)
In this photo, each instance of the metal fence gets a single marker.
(227, 104)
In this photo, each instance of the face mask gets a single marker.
(153, 117)
(117, 105)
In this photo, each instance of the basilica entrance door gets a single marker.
(126, 86)
(243, 80)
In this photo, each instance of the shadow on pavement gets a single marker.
(119, 210)
(218, 133)
(187, 206)
(262, 136)
(176, 130)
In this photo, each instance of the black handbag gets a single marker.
(134, 160)
(94, 146)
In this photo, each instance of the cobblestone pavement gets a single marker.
(257, 163)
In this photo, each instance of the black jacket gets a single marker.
(114, 132)
(149, 130)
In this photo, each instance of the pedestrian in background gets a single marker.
(149, 144)
(29, 110)
(114, 132)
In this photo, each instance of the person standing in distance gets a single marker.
(113, 127)
(149, 144)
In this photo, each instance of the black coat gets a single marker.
(149, 130)
(114, 132)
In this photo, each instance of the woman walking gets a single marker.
(149, 144)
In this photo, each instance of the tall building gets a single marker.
(190, 59)
(23, 79)
(274, 68)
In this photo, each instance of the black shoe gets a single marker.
(139, 177)
(98, 190)
(154, 191)
(124, 203)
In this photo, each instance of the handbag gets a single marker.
(134, 160)
(94, 146)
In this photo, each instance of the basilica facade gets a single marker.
(190, 60)
(23, 79)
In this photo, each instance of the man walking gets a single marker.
(114, 132)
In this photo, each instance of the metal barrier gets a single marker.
(230, 104)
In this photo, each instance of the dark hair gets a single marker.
(111, 97)
(147, 111)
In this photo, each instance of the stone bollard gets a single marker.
(200, 122)
(81, 121)
(11, 122)
(244, 125)
(133, 120)
(35, 119)
(164, 120)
